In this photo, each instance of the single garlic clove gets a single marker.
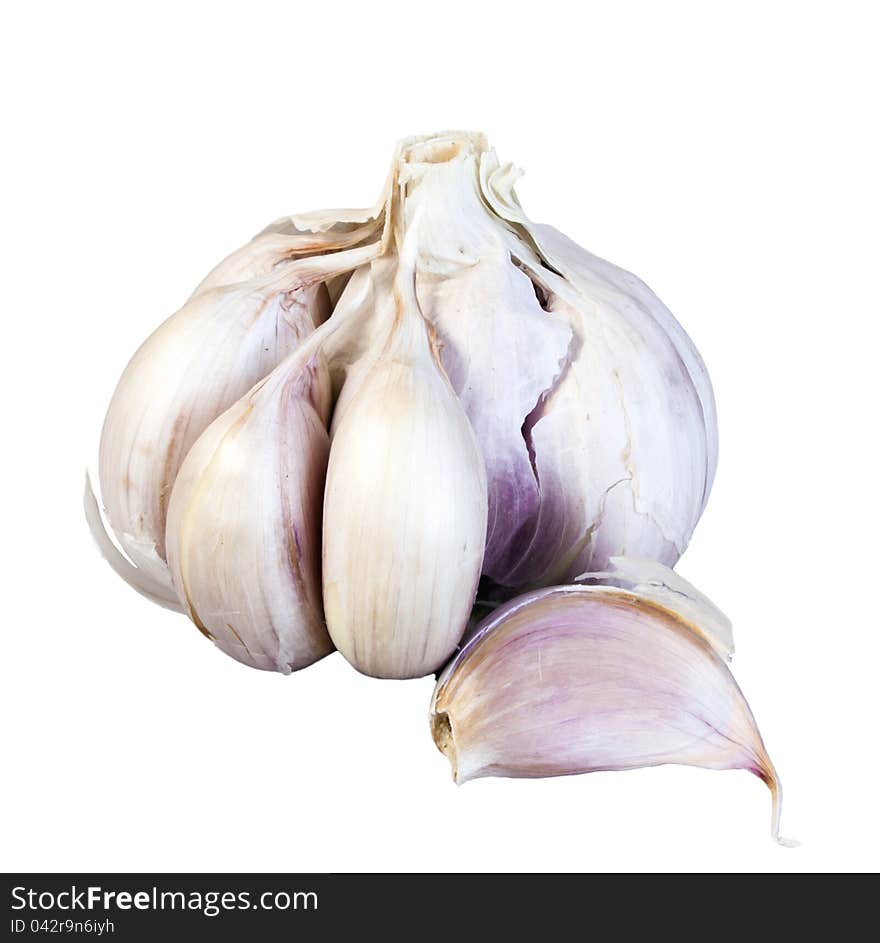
(581, 678)
(195, 366)
(244, 521)
(404, 506)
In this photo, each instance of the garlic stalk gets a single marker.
(405, 500)
(195, 366)
(575, 679)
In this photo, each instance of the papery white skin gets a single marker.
(195, 366)
(157, 591)
(627, 441)
(583, 678)
(296, 236)
(266, 251)
(592, 408)
(587, 271)
(404, 505)
(652, 580)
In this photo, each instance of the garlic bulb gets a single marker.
(504, 406)
(574, 679)
(591, 406)
(405, 502)
(192, 368)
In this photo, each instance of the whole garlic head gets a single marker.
(501, 405)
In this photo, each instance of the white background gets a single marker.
(727, 154)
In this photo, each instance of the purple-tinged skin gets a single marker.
(577, 679)
(624, 442)
(588, 401)
(500, 349)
